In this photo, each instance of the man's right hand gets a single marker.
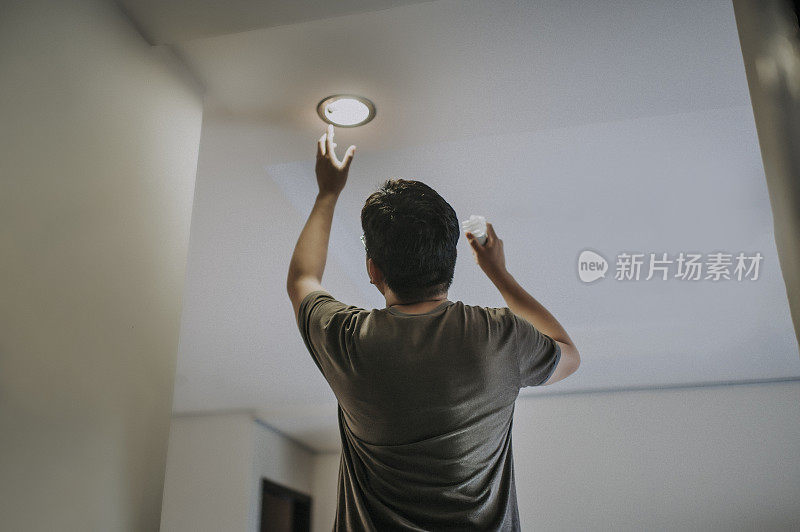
(489, 256)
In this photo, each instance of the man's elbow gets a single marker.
(568, 363)
(574, 359)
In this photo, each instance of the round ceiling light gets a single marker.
(346, 110)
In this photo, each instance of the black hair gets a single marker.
(411, 234)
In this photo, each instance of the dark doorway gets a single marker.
(284, 509)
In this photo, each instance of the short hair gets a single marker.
(411, 234)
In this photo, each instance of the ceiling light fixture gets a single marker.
(346, 110)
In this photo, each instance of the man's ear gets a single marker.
(375, 273)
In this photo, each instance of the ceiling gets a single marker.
(171, 21)
(613, 126)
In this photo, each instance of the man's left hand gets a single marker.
(331, 173)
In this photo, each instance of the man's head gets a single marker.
(411, 235)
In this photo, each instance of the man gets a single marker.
(426, 387)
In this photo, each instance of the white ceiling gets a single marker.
(616, 126)
(171, 21)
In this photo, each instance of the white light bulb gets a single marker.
(346, 112)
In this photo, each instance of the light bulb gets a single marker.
(346, 110)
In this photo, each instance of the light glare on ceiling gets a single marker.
(346, 110)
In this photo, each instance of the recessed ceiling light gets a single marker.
(346, 110)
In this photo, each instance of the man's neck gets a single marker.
(419, 306)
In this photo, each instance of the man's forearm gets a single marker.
(311, 250)
(525, 306)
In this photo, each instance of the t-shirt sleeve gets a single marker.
(537, 353)
(327, 326)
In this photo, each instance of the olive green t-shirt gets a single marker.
(426, 404)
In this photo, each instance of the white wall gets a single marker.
(214, 470)
(208, 472)
(715, 458)
(280, 460)
(325, 485)
(99, 135)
